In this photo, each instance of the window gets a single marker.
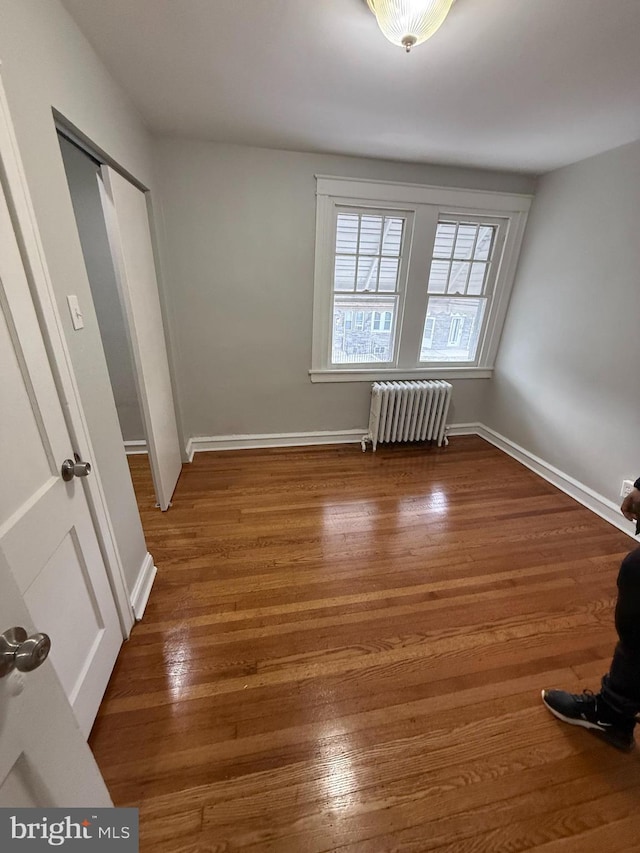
(381, 322)
(458, 285)
(456, 326)
(411, 281)
(368, 252)
(429, 328)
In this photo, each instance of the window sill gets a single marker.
(369, 375)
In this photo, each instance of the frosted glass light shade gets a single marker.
(409, 22)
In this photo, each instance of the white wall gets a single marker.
(82, 174)
(239, 237)
(567, 382)
(47, 62)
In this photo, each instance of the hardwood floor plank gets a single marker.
(614, 836)
(345, 651)
(176, 826)
(545, 826)
(424, 659)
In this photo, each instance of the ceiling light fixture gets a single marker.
(409, 22)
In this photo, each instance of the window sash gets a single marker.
(494, 259)
(479, 306)
(371, 297)
(450, 263)
(358, 266)
(358, 341)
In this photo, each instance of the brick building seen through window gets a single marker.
(366, 335)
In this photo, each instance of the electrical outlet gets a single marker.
(627, 486)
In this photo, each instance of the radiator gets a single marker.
(408, 411)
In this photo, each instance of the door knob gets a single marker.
(21, 652)
(74, 468)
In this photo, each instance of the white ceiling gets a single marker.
(528, 85)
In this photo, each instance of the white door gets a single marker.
(125, 210)
(44, 759)
(47, 536)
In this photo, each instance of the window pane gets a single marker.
(392, 236)
(388, 281)
(452, 329)
(458, 277)
(438, 276)
(367, 273)
(345, 273)
(347, 233)
(369, 337)
(370, 235)
(465, 241)
(477, 278)
(445, 235)
(485, 242)
(367, 257)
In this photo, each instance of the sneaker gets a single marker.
(589, 711)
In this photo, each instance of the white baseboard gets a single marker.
(583, 494)
(578, 491)
(200, 443)
(142, 589)
(464, 429)
(132, 448)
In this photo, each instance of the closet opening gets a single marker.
(113, 227)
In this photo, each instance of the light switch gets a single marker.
(76, 314)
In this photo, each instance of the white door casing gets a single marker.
(23, 216)
(47, 534)
(127, 219)
(44, 759)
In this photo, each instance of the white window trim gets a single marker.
(422, 203)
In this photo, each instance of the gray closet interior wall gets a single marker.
(82, 175)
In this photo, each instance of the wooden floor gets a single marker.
(345, 651)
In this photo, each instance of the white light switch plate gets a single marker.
(76, 314)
